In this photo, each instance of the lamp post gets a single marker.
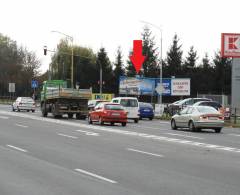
(160, 64)
(71, 38)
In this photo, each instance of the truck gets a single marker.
(57, 99)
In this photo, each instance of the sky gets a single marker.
(111, 23)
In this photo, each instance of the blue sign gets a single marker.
(34, 84)
(166, 85)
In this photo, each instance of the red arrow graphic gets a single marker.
(137, 58)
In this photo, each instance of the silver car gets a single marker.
(197, 118)
(24, 103)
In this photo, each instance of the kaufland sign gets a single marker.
(230, 45)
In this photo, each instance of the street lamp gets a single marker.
(160, 64)
(71, 38)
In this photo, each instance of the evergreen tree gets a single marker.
(174, 57)
(107, 72)
(150, 65)
(118, 70)
(222, 72)
(205, 62)
(191, 59)
(130, 70)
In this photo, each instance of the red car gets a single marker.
(109, 113)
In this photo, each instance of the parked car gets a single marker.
(108, 113)
(24, 103)
(146, 110)
(93, 103)
(197, 118)
(180, 104)
(130, 105)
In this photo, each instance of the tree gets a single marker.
(174, 57)
(118, 70)
(130, 70)
(150, 65)
(222, 73)
(103, 63)
(191, 59)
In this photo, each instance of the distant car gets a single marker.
(197, 118)
(180, 104)
(93, 103)
(24, 103)
(146, 110)
(213, 104)
(108, 113)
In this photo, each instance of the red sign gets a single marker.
(230, 45)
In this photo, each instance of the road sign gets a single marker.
(230, 45)
(159, 89)
(11, 87)
(34, 84)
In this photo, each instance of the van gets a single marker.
(130, 105)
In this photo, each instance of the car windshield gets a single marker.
(207, 110)
(113, 107)
(129, 103)
(143, 104)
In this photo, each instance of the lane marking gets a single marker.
(96, 176)
(17, 148)
(69, 136)
(124, 132)
(19, 125)
(149, 153)
(88, 133)
(4, 117)
(188, 136)
(233, 134)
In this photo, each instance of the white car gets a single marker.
(24, 103)
(197, 118)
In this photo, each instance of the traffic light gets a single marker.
(45, 50)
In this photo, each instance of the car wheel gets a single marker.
(135, 120)
(173, 125)
(191, 126)
(101, 121)
(124, 124)
(218, 130)
(13, 109)
(44, 110)
(33, 110)
(89, 120)
(28, 110)
(140, 118)
(112, 123)
(151, 118)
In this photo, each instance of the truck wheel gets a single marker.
(79, 116)
(43, 109)
(70, 115)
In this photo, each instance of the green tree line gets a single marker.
(20, 66)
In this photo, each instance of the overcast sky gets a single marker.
(111, 23)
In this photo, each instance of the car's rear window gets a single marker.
(129, 103)
(29, 100)
(113, 107)
(207, 110)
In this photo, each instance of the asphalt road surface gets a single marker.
(67, 157)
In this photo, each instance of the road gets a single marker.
(67, 157)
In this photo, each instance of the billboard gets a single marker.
(230, 45)
(149, 86)
(180, 87)
(136, 86)
(104, 96)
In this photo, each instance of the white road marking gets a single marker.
(123, 132)
(21, 126)
(139, 151)
(17, 148)
(96, 176)
(188, 136)
(233, 134)
(69, 136)
(88, 133)
(4, 117)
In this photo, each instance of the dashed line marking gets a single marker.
(17, 148)
(95, 176)
(4, 117)
(233, 134)
(180, 135)
(69, 136)
(88, 133)
(23, 126)
(143, 152)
